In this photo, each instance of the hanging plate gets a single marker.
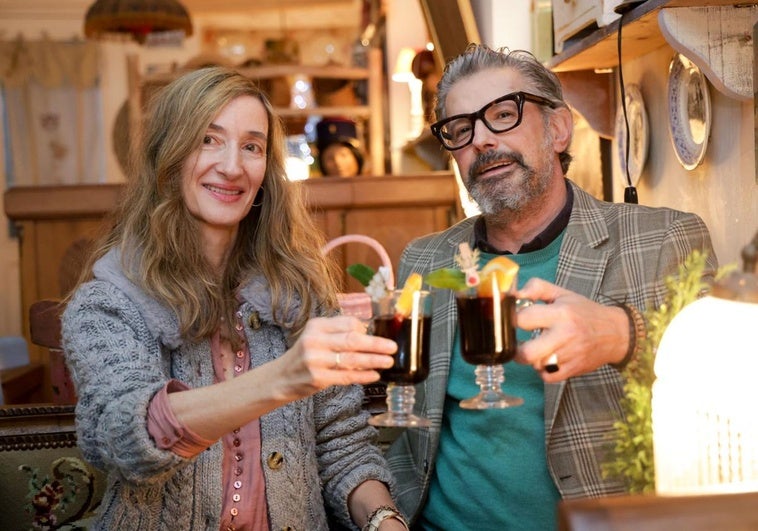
(689, 105)
(639, 135)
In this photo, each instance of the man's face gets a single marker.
(504, 171)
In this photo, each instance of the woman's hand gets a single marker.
(582, 333)
(335, 351)
(330, 351)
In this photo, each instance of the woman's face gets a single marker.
(221, 178)
(339, 161)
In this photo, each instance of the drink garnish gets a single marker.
(497, 274)
(404, 303)
(375, 283)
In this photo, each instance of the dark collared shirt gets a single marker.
(542, 240)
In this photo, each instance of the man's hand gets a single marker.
(582, 334)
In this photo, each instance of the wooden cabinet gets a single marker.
(54, 221)
(370, 115)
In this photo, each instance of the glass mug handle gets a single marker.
(552, 360)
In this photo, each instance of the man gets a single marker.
(594, 266)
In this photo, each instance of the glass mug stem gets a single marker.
(490, 378)
(400, 398)
(400, 401)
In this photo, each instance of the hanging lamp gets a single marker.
(138, 19)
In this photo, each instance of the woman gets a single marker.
(213, 387)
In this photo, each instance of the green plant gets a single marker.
(633, 450)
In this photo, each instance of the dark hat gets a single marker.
(338, 131)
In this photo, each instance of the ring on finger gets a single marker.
(552, 363)
(337, 361)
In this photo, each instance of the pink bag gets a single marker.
(359, 303)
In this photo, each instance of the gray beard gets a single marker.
(510, 195)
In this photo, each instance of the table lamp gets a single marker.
(705, 424)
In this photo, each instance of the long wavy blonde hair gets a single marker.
(159, 239)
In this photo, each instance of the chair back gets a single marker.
(45, 331)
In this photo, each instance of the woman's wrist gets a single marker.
(382, 513)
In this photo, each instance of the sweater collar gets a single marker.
(162, 322)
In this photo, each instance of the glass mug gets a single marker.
(411, 366)
(487, 324)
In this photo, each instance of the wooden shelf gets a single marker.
(371, 113)
(640, 35)
(716, 35)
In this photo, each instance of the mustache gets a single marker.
(493, 157)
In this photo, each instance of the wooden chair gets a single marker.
(45, 331)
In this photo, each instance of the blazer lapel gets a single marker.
(581, 267)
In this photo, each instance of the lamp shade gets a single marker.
(137, 18)
(705, 426)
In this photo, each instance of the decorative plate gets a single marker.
(689, 111)
(639, 135)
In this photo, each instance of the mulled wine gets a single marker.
(487, 331)
(412, 357)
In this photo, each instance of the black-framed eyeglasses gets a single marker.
(500, 115)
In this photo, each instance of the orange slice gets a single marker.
(404, 302)
(497, 274)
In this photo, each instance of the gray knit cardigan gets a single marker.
(122, 346)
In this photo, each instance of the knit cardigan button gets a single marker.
(275, 460)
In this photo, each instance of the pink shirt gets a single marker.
(244, 504)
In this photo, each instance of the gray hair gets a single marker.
(477, 57)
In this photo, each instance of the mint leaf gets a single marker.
(362, 273)
(454, 279)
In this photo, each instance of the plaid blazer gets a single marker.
(611, 252)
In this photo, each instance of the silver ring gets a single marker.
(337, 361)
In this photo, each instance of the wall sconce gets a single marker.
(142, 20)
(403, 73)
(705, 433)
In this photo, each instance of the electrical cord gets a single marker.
(630, 192)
